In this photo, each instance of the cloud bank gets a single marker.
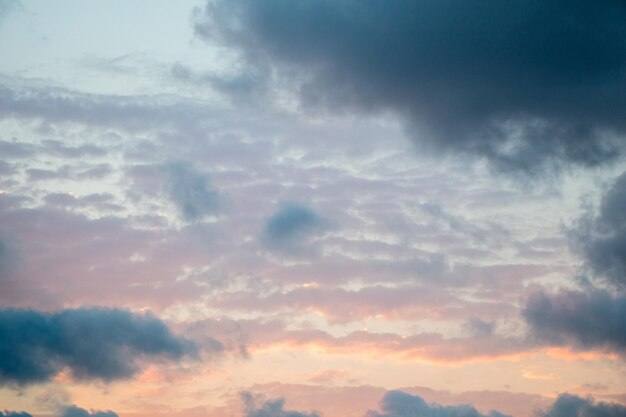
(526, 84)
(93, 343)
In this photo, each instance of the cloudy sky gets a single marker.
(312, 208)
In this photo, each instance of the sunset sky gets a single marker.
(312, 208)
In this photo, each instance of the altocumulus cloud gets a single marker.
(527, 84)
(93, 343)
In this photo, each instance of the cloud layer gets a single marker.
(93, 343)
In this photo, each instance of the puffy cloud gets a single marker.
(291, 224)
(74, 411)
(191, 192)
(586, 320)
(270, 408)
(402, 404)
(572, 405)
(527, 85)
(14, 414)
(93, 343)
(602, 239)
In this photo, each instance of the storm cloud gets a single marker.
(93, 343)
(592, 319)
(527, 84)
(568, 405)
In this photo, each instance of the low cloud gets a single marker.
(592, 319)
(93, 343)
(74, 411)
(269, 408)
(568, 405)
(191, 192)
(602, 238)
(292, 224)
(402, 404)
(7, 413)
(529, 85)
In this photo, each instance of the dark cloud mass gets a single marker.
(573, 406)
(602, 239)
(93, 343)
(527, 84)
(402, 404)
(586, 320)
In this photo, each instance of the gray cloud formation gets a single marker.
(602, 239)
(7, 413)
(526, 84)
(292, 223)
(593, 319)
(191, 191)
(568, 405)
(270, 408)
(74, 411)
(93, 343)
(402, 404)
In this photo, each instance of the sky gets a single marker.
(312, 208)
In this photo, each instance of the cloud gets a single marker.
(602, 239)
(402, 404)
(93, 343)
(291, 224)
(592, 319)
(270, 408)
(74, 411)
(7, 413)
(191, 192)
(527, 85)
(8, 6)
(568, 405)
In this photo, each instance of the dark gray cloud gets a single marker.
(292, 223)
(526, 84)
(568, 405)
(592, 319)
(602, 238)
(7, 413)
(270, 408)
(74, 411)
(93, 343)
(402, 404)
(191, 191)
